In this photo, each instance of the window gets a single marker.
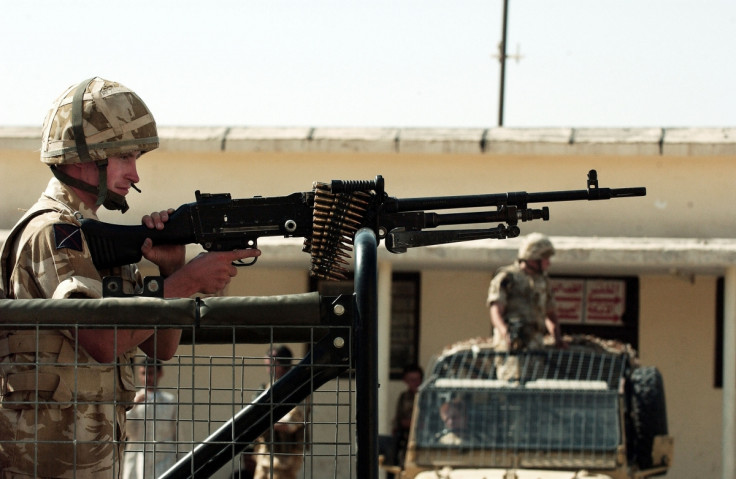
(404, 322)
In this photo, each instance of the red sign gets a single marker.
(592, 301)
(606, 301)
(569, 295)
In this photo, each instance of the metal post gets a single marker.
(502, 59)
(728, 439)
(366, 364)
(384, 344)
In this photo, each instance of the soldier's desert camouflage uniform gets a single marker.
(62, 413)
(283, 454)
(527, 298)
(75, 427)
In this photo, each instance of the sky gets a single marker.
(380, 63)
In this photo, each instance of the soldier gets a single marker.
(64, 392)
(454, 421)
(457, 428)
(520, 300)
(280, 455)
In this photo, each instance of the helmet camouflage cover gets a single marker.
(113, 119)
(536, 246)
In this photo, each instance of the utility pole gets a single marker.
(502, 56)
(502, 59)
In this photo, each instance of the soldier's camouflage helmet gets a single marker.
(535, 247)
(91, 122)
(112, 120)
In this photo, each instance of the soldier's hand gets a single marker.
(157, 219)
(168, 258)
(561, 343)
(208, 273)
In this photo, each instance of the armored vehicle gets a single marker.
(586, 410)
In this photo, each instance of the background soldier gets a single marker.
(520, 300)
(457, 427)
(64, 392)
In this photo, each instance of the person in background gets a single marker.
(412, 375)
(454, 417)
(279, 453)
(521, 304)
(152, 426)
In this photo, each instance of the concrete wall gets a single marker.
(677, 334)
(684, 226)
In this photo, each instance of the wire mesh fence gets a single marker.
(209, 390)
(64, 411)
(217, 407)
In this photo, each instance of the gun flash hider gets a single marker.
(337, 217)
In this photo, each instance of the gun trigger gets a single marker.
(239, 263)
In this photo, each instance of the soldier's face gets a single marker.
(544, 263)
(537, 266)
(122, 172)
(148, 376)
(454, 418)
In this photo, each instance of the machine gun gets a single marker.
(328, 218)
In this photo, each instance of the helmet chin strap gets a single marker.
(110, 200)
(106, 198)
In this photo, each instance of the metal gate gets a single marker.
(220, 416)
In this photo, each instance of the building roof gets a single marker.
(499, 140)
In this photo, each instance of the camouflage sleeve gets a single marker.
(54, 261)
(496, 291)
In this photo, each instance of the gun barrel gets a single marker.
(449, 202)
(590, 194)
(518, 198)
(628, 192)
